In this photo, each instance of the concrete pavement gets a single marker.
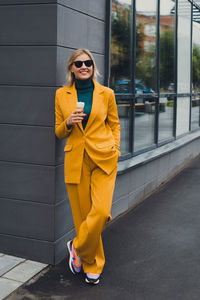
(152, 252)
(15, 271)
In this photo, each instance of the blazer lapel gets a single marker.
(73, 101)
(95, 103)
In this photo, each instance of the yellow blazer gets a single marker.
(101, 137)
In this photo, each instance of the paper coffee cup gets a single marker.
(80, 105)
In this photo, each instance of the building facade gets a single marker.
(148, 52)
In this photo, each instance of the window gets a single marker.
(167, 70)
(184, 66)
(121, 69)
(124, 112)
(145, 100)
(120, 44)
(151, 75)
(195, 113)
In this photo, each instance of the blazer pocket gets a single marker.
(108, 145)
(67, 148)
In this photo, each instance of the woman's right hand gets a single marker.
(76, 117)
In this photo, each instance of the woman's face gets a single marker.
(83, 72)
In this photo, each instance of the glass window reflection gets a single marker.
(195, 114)
(176, 106)
(121, 46)
(183, 116)
(145, 79)
(167, 46)
(167, 69)
(184, 46)
(166, 117)
(196, 57)
(144, 122)
(184, 66)
(146, 42)
(124, 112)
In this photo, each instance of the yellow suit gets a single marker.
(90, 168)
(100, 138)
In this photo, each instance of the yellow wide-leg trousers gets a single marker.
(91, 202)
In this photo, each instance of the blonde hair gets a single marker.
(70, 76)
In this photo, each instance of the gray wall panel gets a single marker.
(60, 144)
(26, 65)
(60, 246)
(119, 206)
(86, 32)
(149, 187)
(29, 219)
(122, 186)
(42, 251)
(96, 36)
(151, 174)
(27, 105)
(72, 28)
(163, 168)
(63, 219)
(81, 6)
(175, 158)
(195, 149)
(14, 2)
(137, 177)
(61, 192)
(98, 9)
(136, 196)
(63, 55)
(29, 144)
(90, 7)
(40, 26)
(151, 170)
(27, 182)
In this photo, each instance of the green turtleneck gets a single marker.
(85, 90)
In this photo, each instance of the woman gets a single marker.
(91, 155)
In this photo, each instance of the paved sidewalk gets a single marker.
(15, 271)
(152, 252)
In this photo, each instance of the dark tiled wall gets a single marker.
(36, 39)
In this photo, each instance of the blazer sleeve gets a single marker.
(61, 129)
(113, 119)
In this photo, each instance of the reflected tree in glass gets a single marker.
(145, 77)
(120, 79)
(167, 46)
(167, 70)
(195, 114)
(121, 47)
(146, 43)
(196, 68)
(167, 61)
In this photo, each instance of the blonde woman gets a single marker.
(91, 155)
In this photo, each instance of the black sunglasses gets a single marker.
(79, 63)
